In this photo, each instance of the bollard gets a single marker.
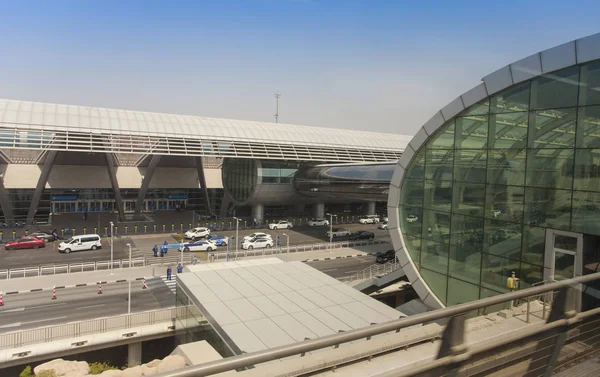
(145, 228)
(163, 228)
(84, 230)
(181, 227)
(135, 228)
(190, 224)
(54, 293)
(245, 224)
(222, 225)
(73, 231)
(1, 236)
(230, 224)
(95, 230)
(172, 227)
(62, 232)
(105, 230)
(116, 230)
(26, 232)
(14, 234)
(154, 228)
(126, 228)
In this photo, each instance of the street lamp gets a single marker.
(331, 216)
(287, 253)
(237, 222)
(129, 279)
(181, 247)
(112, 241)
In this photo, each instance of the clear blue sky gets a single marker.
(370, 65)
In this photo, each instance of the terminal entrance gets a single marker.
(70, 206)
(563, 257)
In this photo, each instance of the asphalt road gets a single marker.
(339, 268)
(142, 246)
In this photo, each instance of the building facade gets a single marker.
(505, 179)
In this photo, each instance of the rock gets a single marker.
(154, 363)
(111, 373)
(148, 371)
(171, 362)
(64, 368)
(133, 372)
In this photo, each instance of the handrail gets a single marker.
(370, 272)
(249, 359)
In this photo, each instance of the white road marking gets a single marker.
(331, 269)
(16, 324)
(43, 320)
(47, 306)
(12, 310)
(90, 306)
(352, 272)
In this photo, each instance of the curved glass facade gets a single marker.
(240, 177)
(478, 195)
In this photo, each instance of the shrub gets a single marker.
(26, 372)
(46, 373)
(97, 368)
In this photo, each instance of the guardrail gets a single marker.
(93, 326)
(171, 259)
(538, 343)
(375, 270)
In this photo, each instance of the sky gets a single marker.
(378, 65)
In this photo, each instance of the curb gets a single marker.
(71, 286)
(331, 258)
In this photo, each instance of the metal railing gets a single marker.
(89, 327)
(68, 268)
(373, 271)
(564, 324)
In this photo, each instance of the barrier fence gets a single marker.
(174, 259)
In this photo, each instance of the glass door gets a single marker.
(563, 257)
(129, 205)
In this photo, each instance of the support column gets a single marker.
(41, 184)
(258, 212)
(202, 181)
(5, 202)
(112, 175)
(145, 184)
(319, 210)
(225, 205)
(369, 208)
(134, 354)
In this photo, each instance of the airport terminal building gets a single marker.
(504, 178)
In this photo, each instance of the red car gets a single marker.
(27, 242)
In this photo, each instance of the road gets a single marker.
(142, 246)
(339, 268)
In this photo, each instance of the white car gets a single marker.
(256, 235)
(257, 243)
(385, 220)
(200, 245)
(370, 219)
(411, 218)
(281, 225)
(383, 225)
(318, 222)
(197, 233)
(339, 232)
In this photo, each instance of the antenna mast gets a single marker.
(277, 95)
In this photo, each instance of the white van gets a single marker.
(369, 219)
(80, 242)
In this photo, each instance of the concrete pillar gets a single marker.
(134, 354)
(258, 212)
(369, 208)
(319, 210)
(299, 208)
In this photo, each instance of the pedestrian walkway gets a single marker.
(171, 284)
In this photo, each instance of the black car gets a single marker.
(362, 235)
(386, 257)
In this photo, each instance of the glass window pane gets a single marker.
(434, 256)
(411, 219)
(438, 195)
(590, 84)
(555, 90)
(471, 132)
(411, 193)
(587, 170)
(534, 245)
(439, 164)
(508, 130)
(504, 202)
(530, 274)
(506, 167)
(436, 282)
(481, 108)
(460, 292)
(416, 168)
(465, 264)
(547, 207)
(495, 271)
(444, 139)
(511, 100)
(586, 212)
(502, 238)
(467, 232)
(551, 168)
(470, 165)
(413, 244)
(436, 226)
(469, 198)
(588, 127)
(552, 128)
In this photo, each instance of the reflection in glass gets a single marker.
(530, 274)
(552, 128)
(436, 282)
(436, 226)
(551, 168)
(502, 238)
(590, 84)
(586, 212)
(481, 108)
(438, 195)
(460, 292)
(506, 167)
(412, 192)
(439, 164)
(495, 271)
(504, 202)
(469, 165)
(587, 170)
(444, 139)
(547, 207)
(515, 99)
(534, 241)
(413, 244)
(471, 132)
(469, 198)
(588, 127)
(556, 89)
(434, 256)
(411, 219)
(508, 130)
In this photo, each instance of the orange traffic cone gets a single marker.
(54, 293)
(99, 289)
(144, 286)
(1, 300)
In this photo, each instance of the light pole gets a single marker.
(287, 252)
(331, 216)
(181, 247)
(237, 222)
(112, 225)
(129, 279)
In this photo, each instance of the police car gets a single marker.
(201, 245)
(218, 240)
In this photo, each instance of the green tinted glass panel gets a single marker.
(548, 207)
(416, 169)
(495, 271)
(439, 164)
(434, 256)
(460, 292)
(502, 238)
(514, 99)
(436, 226)
(411, 192)
(470, 165)
(504, 202)
(411, 219)
(438, 195)
(586, 212)
(444, 139)
(550, 168)
(534, 241)
(552, 128)
(469, 198)
(587, 170)
(481, 108)
(530, 274)
(471, 132)
(508, 130)
(555, 90)
(436, 282)
(506, 167)
(588, 127)
(413, 244)
(590, 83)
(467, 232)
(465, 264)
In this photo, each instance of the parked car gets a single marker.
(385, 219)
(362, 235)
(200, 245)
(383, 225)
(44, 236)
(318, 222)
(339, 232)
(411, 218)
(257, 243)
(218, 240)
(386, 257)
(27, 242)
(369, 219)
(197, 233)
(81, 242)
(283, 224)
(256, 235)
